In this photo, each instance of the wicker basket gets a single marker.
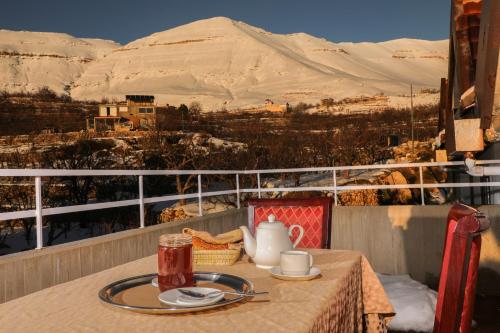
(216, 257)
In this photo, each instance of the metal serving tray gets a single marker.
(139, 295)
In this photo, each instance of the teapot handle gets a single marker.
(301, 233)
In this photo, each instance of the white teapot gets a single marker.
(272, 237)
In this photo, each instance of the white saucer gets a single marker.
(174, 297)
(276, 272)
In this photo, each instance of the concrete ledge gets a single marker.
(29, 271)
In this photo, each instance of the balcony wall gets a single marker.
(409, 240)
(26, 272)
(395, 239)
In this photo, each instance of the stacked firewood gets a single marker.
(172, 214)
(358, 198)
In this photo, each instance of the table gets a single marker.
(346, 298)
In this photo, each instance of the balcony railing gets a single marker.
(41, 211)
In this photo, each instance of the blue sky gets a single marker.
(336, 20)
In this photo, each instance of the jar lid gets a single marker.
(175, 240)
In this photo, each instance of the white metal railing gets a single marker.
(40, 211)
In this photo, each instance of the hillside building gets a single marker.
(271, 107)
(137, 112)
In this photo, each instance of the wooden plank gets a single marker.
(442, 105)
(381, 248)
(2, 283)
(86, 260)
(32, 272)
(434, 226)
(413, 236)
(117, 252)
(362, 240)
(462, 49)
(14, 280)
(449, 113)
(487, 60)
(399, 221)
(38, 273)
(102, 256)
(67, 266)
(468, 135)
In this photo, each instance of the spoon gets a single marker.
(196, 294)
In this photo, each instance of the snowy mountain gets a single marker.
(30, 60)
(224, 63)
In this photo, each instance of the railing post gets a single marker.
(141, 200)
(238, 191)
(258, 184)
(422, 193)
(335, 186)
(200, 202)
(38, 212)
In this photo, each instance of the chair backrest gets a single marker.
(457, 283)
(313, 214)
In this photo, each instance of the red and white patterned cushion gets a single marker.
(309, 217)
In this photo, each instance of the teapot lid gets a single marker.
(271, 223)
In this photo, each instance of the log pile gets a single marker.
(172, 214)
(358, 198)
(400, 196)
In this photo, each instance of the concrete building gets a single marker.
(271, 107)
(138, 112)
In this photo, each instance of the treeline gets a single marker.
(42, 94)
(188, 139)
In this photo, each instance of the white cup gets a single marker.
(295, 262)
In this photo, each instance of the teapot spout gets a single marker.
(249, 242)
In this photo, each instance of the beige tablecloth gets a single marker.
(346, 298)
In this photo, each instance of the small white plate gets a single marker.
(276, 272)
(174, 297)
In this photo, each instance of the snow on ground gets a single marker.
(321, 179)
(413, 302)
(209, 207)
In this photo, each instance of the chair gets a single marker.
(457, 283)
(313, 214)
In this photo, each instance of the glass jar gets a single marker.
(175, 261)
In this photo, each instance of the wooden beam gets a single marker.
(443, 95)
(449, 114)
(487, 61)
(464, 21)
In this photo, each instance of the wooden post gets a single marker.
(463, 29)
(449, 114)
(442, 104)
(487, 61)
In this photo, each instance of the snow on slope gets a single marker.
(30, 60)
(221, 63)
(224, 63)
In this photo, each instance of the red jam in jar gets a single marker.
(175, 261)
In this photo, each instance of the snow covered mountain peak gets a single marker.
(221, 63)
